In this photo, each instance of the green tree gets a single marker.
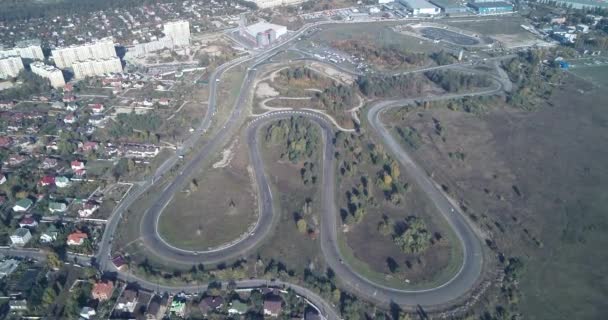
(53, 261)
(302, 225)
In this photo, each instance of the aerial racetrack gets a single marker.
(459, 285)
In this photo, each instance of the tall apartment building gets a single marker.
(10, 67)
(28, 49)
(178, 31)
(91, 68)
(98, 50)
(275, 3)
(54, 75)
(177, 34)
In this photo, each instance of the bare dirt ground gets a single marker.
(535, 181)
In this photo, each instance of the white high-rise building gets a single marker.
(98, 50)
(29, 49)
(91, 68)
(178, 31)
(10, 67)
(54, 75)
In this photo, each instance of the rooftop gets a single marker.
(490, 4)
(262, 26)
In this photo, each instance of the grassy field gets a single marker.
(598, 75)
(378, 34)
(362, 244)
(216, 209)
(535, 181)
(297, 250)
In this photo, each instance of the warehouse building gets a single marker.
(449, 8)
(491, 7)
(420, 7)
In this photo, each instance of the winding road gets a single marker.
(459, 285)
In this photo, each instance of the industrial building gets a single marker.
(91, 68)
(491, 7)
(10, 67)
(27, 49)
(263, 33)
(54, 75)
(449, 8)
(66, 57)
(420, 7)
(275, 3)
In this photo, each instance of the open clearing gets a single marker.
(507, 30)
(598, 75)
(536, 182)
(215, 210)
(378, 34)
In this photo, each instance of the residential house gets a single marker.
(6, 142)
(89, 146)
(77, 238)
(2, 178)
(48, 163)
(87, 313)
(28, 222)
(119, 263)
(69, 119)
(273, 306)
(17, 305)
(79, 174)
(96, 120)
(16, 159)
(210, 303)
(132, 150)
(47, 181)
(77, 165)
(22, 205)
(127, 301)
(102, 290)
(58, 105)
(62, 182)
(21, 237)
(68, 98)
(57, 207)
(88, 209)
(97, 108)
(49, 235)
(237, 307)
(178, 307)
(7, 267)
(72, 107)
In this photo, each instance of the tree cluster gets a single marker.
(453, 81)
(377, 86)
(298, 137)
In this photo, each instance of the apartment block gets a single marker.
(28, 49)
(91, 68)
(10, 67)
(54, 75)
(178, 31)
(98, 50)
